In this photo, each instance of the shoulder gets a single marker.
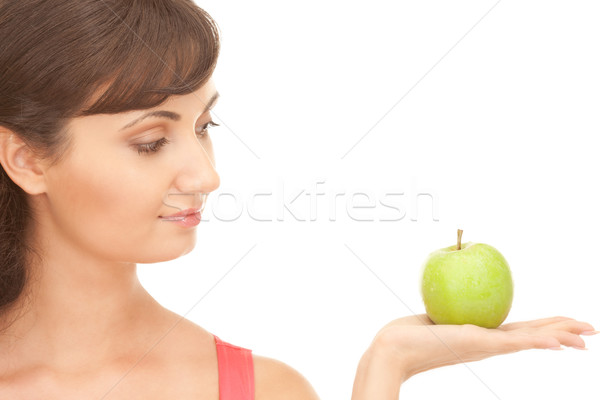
(276, 380)
(273, 379)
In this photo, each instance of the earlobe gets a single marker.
(20, 163)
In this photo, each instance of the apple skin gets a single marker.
(472, 285)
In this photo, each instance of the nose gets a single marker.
(198, 173)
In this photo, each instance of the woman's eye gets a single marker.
(151, 147)
(203, 129)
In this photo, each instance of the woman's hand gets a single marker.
(414, 344)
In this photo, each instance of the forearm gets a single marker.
(376, 378)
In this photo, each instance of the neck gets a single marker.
(79, 310)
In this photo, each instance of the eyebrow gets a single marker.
(169, 114)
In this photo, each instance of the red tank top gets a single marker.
(236, 371)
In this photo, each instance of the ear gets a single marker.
(20, 163)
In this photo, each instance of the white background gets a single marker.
(500, 135)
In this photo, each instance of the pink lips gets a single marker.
(186, 218)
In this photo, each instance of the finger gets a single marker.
(568, 339)
(544, 339)
(533, 324)
(572, 326)
(566, 332)
(511, 342)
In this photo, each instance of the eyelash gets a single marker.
(155, 146)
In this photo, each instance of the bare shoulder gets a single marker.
(276, 380)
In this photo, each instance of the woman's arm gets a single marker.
(410, 345)
(377, 376)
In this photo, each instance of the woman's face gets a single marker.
(107, 194)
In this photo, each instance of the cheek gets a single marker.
(110, 193)
(106, 205)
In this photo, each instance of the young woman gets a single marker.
(106, 162)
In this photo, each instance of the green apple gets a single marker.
(467, 284)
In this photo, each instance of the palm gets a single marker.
(419, 345)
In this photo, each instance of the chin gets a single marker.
(183, 252)
(164, 255)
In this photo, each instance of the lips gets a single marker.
(182, 215)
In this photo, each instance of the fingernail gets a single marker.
(555, 348)
(579, 348)
(589, 333)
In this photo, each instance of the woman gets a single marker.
(107, 162)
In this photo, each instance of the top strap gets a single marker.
(236, 371)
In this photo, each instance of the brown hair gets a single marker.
(61, 59)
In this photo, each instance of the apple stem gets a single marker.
(459, 237)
